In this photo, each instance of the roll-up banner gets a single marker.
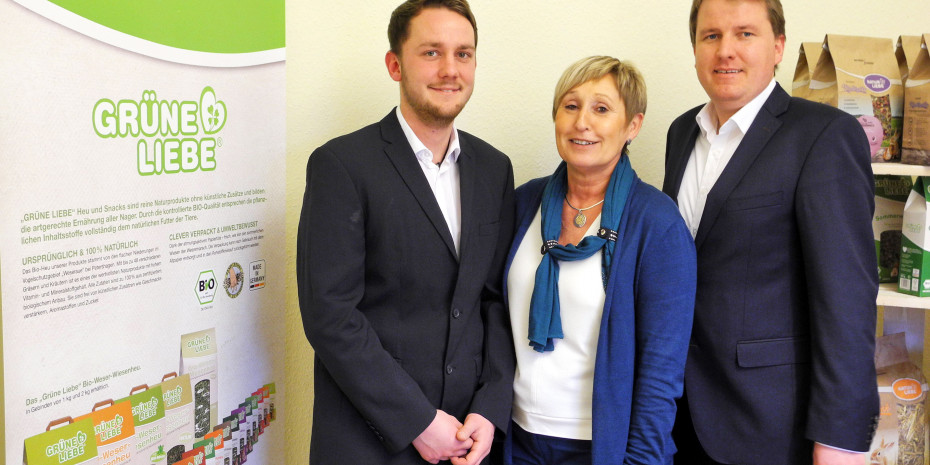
(142, 197)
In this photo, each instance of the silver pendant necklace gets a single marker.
(580, 219)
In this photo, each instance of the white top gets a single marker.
(712, 152)
(443, 179)
(552, 391)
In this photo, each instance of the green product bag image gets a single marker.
(148, 414)
(179, 414)
(890, 195)
(199, 360)
(915, 242)
(72, 444)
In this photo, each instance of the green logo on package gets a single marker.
(172, 136)
(158, 455)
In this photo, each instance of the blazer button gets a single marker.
(449, 369)
(456, 313)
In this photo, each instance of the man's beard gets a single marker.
(429, 113)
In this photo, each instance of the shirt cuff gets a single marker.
(844, 450)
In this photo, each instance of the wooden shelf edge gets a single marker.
(900, 169)
(889, 296)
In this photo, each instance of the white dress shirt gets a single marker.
(442, 178)
(712, 151)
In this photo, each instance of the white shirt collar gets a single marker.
(420, 150)
(707, 119)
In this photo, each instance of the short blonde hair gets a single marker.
(630, 83)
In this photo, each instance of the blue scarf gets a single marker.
(545, 319)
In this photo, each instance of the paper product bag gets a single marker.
(890, 196)
(114, 431)
(906, 52)
(148, 415)
(179, 414)
(902, 434)
(199, 360)
(915, 241)
(916, 140)
(808, 55)
(71, 444)
(270, 391)
(860, 76)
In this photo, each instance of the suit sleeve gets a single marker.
(494, 396)
(330, 284)
(835, 203)
(665, 288)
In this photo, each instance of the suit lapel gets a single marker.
(678, 161)
(405, 162)
(753, 143)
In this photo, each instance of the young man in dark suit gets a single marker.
(778, 193)
(403, 235)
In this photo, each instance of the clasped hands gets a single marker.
(448, 439)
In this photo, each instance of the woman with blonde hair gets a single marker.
(600, 281)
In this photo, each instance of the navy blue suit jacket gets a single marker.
(401, 325)
(782, 347)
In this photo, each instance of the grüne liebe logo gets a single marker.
(172, 136)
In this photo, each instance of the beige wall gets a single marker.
(337, 83)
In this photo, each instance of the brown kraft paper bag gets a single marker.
(808, 55)
(916, 140)
(860, 76)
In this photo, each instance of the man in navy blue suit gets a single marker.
(403, 235)
(778, 194)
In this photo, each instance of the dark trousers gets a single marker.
(536, 449)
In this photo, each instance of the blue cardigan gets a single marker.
(645, 327)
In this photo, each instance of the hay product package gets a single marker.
(148, 415)
(891, 193)
(229, 449)
(72, 444)
(860, 76)
(915, 241)
(902, 434)
(209, 451)
(114, 430)
(195, 456)
(916, 140)
(179, 414)
(906, 51)
(219, 447)
(808, 55)
(270, 390)
(198, 359)
(235, 438)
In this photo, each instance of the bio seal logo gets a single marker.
(173, 137)
(877, 83)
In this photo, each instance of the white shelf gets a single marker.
(900, 169)
(888, 295)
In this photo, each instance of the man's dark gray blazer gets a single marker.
(400, 324)
(783, 340)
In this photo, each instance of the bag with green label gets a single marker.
(148, 415)
(179, 414)
(915, 241)
(198, 359)
(72, 444)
